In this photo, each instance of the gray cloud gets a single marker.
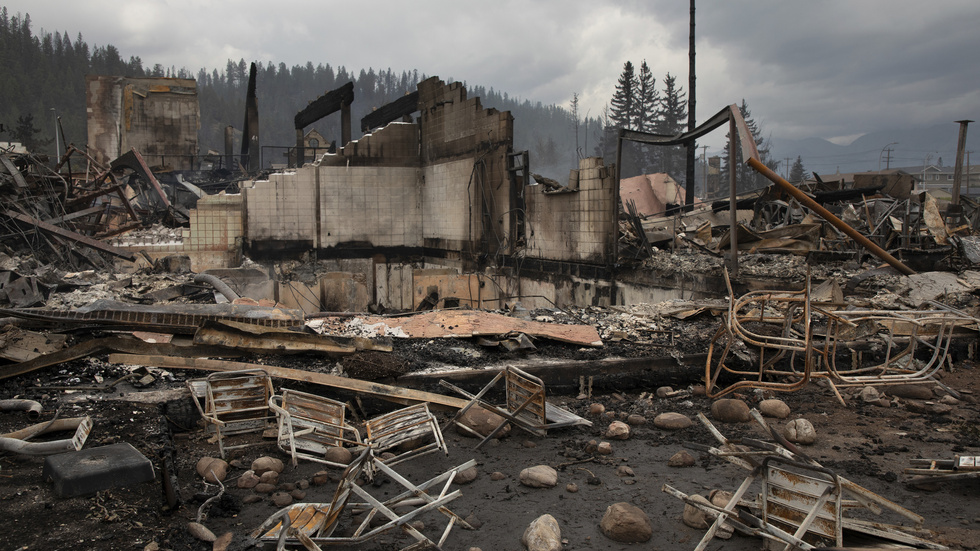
(826, 68)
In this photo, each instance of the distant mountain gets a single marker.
(913, 146)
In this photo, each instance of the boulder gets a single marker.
(730, 410)
(626, 523)
(482, 421)
(635, 420)
(269, 477)
(282, 499)
(910, 392)
(212, 469)
(682, 458)
(618, 430)
(465, 476)
(869, 394)
(800, 431)
(265, 464)
(774, 408)
(201, 532)
(337, 454)
(248, 480)
(540, 476)
(543, 534)
(672, 421)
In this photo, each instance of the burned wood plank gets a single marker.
(405, 105)
(472, 323)
(92, 243)
(386, 392)
(328, 103)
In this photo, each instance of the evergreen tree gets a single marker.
(624, 102)
(26, 133)
(797, 174)
(746, 178)
(648, 116)
(673, 120)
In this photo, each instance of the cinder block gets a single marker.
(96, 469)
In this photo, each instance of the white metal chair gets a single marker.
(309, 425)
(235, 402)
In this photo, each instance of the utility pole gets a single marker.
(888, 158)
(786, 169)
(691, 145)
(704, 164)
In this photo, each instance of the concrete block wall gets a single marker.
(213, 240)
(376, 205)
(397, 144)
(283, 208)
(574, 226)
(446, 206)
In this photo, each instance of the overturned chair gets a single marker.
(235, 402)
(313, 524)
(525, 405)
(407, 433)
(309, 425)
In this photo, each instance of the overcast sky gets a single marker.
(832, 69)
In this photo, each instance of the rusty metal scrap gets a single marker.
(781, 340)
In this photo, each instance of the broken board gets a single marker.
(472, 323)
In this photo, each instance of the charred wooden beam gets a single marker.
(403, 106)
(60, 232)
(250, 133)
(331, 102)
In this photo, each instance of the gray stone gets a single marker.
(618, 430)
(626, 523)
(540, 476)
(800, 431)
(869, 394)
(672, 421)
(543, 534)
(774, 408)
(282, 499)
(465, 476)
(571, 488)
(730, 410)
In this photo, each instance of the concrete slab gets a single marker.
(94, 469)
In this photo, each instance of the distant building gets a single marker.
(157, 116)
(940, 178)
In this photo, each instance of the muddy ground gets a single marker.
(869, 444)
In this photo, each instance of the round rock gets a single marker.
(663, 391)
(636, 420)
(911, 392)
(465, 476)
(604, 448)
(682, 458)
(282, 499)
(339, 455)
(626, 523)
(482, 421)
(265, 464)
(597, 409)
(672, 421)
(212, 469)
(497, 475)
(540, 476)
(774, 408)
(730, 410)
(543, 534)
(800, 431)
(248, 480)
(869, 394)
(618, 430)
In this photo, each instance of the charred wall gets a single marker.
(159, 117)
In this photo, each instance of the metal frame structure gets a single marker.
(777, 330)
(313, 524)
(413, 423)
